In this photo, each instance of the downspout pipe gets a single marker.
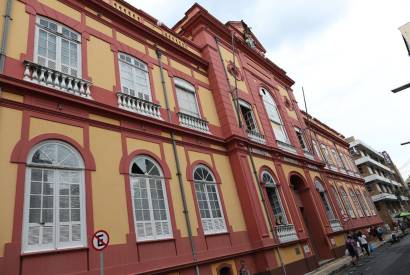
(178, 166)
(265, 207)
(4, 37)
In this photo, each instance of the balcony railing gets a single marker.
(384, 196)
(42, 75)
(335, 225)
(193, 122)
(138, 105)
(285, 146)
(255, 136)
(286, 233)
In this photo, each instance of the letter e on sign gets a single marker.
(100, 240)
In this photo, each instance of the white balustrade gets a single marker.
(42, 75)
(286, 233)
(335, 225)
(256, 136)
(139, 105)
(193, 122)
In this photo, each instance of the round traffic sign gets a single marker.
(100, 240)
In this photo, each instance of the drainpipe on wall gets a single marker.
(7, 18)
(178, 166)
(271, 227)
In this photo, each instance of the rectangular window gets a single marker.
(337, 158)
(301, 139)
(316, 148)
(134, 77)
(362, 202)
(248, 117)
(57, 47)
(326, 154)
(339, 202)
(186, 98)
(346, 202)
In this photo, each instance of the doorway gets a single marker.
(305, 204)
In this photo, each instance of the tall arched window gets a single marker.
(356, 202)
(54, 207)
(209, 203)
(149, 200)
(325, 201)
(274, 116)
(346, 202)
(338, 200)
(274, 198)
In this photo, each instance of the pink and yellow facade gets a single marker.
(194, 158)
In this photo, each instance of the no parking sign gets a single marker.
(100, 242)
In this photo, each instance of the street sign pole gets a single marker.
(100, 242)
(102, 262)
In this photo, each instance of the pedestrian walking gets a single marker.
(379, 233)
(363, 243)
(351, 247)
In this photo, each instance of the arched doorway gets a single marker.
(306, 205)
(225, 271)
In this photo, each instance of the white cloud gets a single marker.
(348, 55)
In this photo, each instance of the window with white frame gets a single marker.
(346, 202)
(248, 116)
(186, 97)
(326, 154)
(209, 203)
(57, 47)
(149, 200)
(356, 202)
(323, 196)
(134, 77)
(274, 198)
(301, 138)
(316, 148)
(362, 202)
(338, 200)
(54, 205)
(337, 158)
(274, 116)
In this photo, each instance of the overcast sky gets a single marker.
(347, 55)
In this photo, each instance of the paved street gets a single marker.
(388, 259)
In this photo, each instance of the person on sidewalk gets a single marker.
(363, 243)
(352, 249)
(379, 233)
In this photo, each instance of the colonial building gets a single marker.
(383, 180)
(186, 145)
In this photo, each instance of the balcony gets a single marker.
(286, 147)
(376, 177)
(54, 79)
(138, 105)
(286, 233)
(383, 196)
(335, 225)
(193, 122)
(255, 136)
(367, 159)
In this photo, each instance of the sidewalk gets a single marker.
(338, 263)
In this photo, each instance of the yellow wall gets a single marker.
(340, 239)
(289, 255)
(201, 77)
(159, 92)
(101, 63)
(194, 156)
(64, 9)
(227, 56)
(130, 42)
(104, 119)
(230, 194)
(10, 128)
(230, 262)
(18, 31)
(208, 106)
(288, 168)
(137, 144)
(41, 126)
(176, 194)
(180, 67)
(12, 96)
(98, 26)
(109, 201)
